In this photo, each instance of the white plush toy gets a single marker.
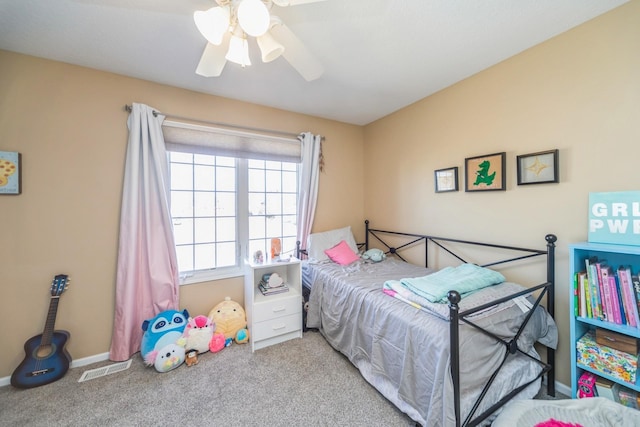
(198, 333)
(169, 357)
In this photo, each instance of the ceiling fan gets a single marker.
(227, 26)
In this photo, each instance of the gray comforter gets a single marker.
(404, 351)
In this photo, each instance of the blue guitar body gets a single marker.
(47, 359)
(43, 364)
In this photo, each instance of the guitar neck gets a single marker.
(51, 320)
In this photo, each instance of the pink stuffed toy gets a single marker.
(586, 385)
(199, 333)
(217, 342)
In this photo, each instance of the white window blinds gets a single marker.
(191, 138)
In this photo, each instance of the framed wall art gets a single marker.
(485, 173)
(446, 180)
(10, 172)
(538, 168)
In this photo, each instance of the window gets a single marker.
(203, 210)
(225, 208)
(273, 201)
(231, 193)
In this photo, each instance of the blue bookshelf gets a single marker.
(613, 255)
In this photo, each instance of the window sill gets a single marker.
(210, 276)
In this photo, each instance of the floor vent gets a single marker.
(105, 370)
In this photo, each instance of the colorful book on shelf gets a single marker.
(587, 296)
(582, 278)
(635, 281)
(576, 295)
(622, 316)
(615, 304)
(626, 286)
(272, 291)
(610, 295)
(632, 295)
(604, 310)
(592, 276)
(609, 298)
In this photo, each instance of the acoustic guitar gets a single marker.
(47, 359)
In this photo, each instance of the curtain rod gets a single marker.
(128, 108)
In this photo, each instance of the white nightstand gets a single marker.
(273, 319)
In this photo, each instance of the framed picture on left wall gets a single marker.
(10, 172)
(446, 180)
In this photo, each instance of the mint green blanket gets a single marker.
(464, 278)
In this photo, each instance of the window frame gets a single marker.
(240, 145)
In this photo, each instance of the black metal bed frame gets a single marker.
(455, 316)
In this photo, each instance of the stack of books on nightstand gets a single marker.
(272, 284)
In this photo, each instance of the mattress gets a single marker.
(404, 352)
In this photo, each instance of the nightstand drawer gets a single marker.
(280, 306)
(274, 327)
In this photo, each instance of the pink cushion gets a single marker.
(342, 254)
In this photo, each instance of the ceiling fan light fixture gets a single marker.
(253, 17)
(213, 23)
(269, 47)
(238, 51)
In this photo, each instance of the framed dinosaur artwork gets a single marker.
(485, 173)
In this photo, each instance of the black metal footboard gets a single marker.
(456, 317)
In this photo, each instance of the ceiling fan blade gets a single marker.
(296, 53)
(284, 3)
(212, 61)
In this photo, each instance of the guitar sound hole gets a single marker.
(44, 351)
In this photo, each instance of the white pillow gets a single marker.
(317, 243)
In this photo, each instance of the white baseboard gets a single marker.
(74, 364)
(89, 360)
(561, 388)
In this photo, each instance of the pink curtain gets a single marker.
(147, 271)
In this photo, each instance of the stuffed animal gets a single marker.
(586, 385)
(198, 333)
(160, 333)
(230, 320)
(374, 255)
(191, 358)
(169, 357)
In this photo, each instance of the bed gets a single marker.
(443, 364)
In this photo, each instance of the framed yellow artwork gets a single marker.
(538, 168)
(10, 172)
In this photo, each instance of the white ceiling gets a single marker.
(378, 55)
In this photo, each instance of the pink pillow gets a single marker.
(342, 254)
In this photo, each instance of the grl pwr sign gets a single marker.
(615, 217)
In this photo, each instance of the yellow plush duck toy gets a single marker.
(231, 320)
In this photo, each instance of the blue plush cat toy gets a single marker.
(163, 332)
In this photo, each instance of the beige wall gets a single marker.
(579, 92)
(69, 124)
